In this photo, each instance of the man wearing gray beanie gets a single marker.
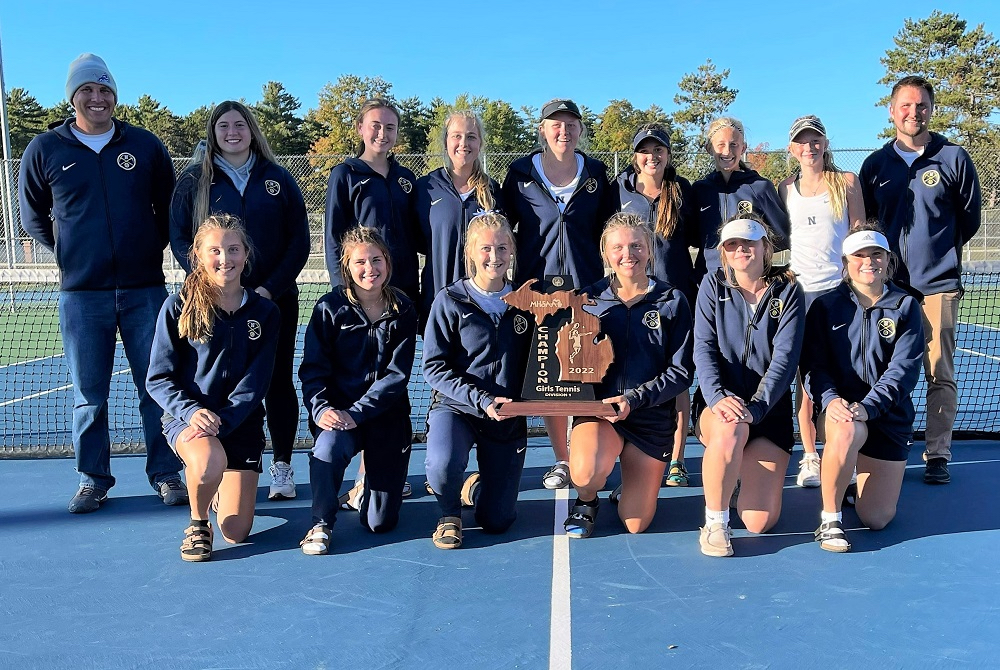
(96, 192)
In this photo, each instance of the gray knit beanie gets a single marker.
(86, 69)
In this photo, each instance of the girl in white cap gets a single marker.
(866, 346)
(823, 202)
(748, 327)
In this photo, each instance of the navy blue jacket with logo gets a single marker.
(718, 200)
(752, 356)
(550, 242)
(443, 219)
(927, 210)
(229, 374)
(357, 194)
(105, 215)
(468, 359)
(356, 365)
(671, 256)
(870, 356)
(272, 211)
(652, 345)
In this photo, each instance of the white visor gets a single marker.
(863, 239)
(742, 229)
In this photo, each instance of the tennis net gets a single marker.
(36, 395)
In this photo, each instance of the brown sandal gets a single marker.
(197, 544)
(449, 533)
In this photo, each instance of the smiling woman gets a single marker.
(239, 176)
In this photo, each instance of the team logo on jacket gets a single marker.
(272, 187)
(931, 178)
(887, 328)
(775, 307)
(126, 161)
(651, 319)
(405, 184)
(744, 207)
(590, 185)
(253, 329)
(520, 325)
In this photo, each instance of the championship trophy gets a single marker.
(568, 353)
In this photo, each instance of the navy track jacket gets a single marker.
(104, 215)
(927, 210)
(443, 218)
(357, 194)
(718, 200)
(356, 365)
(550, 242)
(651, 340)
(870, 356)
(469, 360)
(750, 356)
(671, 257)
(228, 375)
(272, 211)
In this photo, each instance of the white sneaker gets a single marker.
(808, 471)
(282, 484)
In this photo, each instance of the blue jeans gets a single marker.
(89, 321)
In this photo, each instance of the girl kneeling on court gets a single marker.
(649, 324)
(866, 347)
(475, 351)
(209, 370)
(359, 349)
(748, 325)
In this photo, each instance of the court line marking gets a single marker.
(978, 325)
(978, 353)
(560, 622)
(53, 390)
(33, 360)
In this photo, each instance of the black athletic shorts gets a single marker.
(776, 425)
(244, 446)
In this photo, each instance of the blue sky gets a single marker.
(786, 59)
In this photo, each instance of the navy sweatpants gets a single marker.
(500, 447)
(386, 443)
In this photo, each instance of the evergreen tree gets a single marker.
(27, 119)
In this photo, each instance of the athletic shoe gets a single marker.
(282, 485)
(407, 490)
(616, 496)
(557, 477)
(352, 499)
(172, 491)
(715, 540)
(936, 471)
(808, 471)
(87, 499)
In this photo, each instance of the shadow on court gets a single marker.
(109, 589)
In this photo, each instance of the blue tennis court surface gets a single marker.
(108, 590)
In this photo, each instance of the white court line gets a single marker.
(33, 360)
(978, 353)
(560, 630)
(978, 325)
(55, 390)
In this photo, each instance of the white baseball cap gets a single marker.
(742, 229)
(863, 239)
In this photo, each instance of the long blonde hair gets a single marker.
(199, 295)
(493, 221)
(258, 146)
(354, 238)
(668, 214)
(627, 221)
(479, 181)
